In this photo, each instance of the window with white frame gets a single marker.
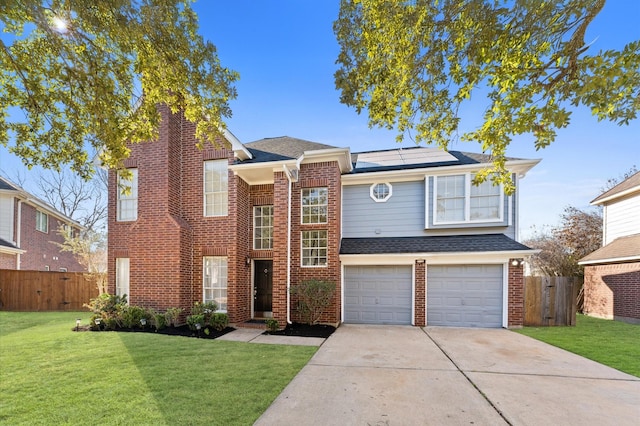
(263, 227)
(214, 281)
(122, 276)
(216, 183)
(42, 221)
(457, 200)
(314, 205)
(380, 192)
(314, 248)
(128, 196)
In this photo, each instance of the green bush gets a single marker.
(272, 324)
(172, 316)
(159, 321)
(219, 321)
(314, 296)
(192, 320)
(108, 308)
(131, 316)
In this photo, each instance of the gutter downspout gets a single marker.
(290, 179)
(18, 231)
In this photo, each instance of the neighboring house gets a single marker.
(612, 273)
(29, 232)
(402, 233)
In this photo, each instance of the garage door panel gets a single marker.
(464, 295)
(378, 294)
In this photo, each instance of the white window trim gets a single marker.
(262, 227)
(380, 200)
(205, 193)
(123, 277)
(40, 214)
(121, 196)
(302, 206)
(302, 248)
(206, 273)
(468, 177)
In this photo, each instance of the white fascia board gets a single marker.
(11, 250)
(611, 260)
(434, 258)
(260, 173)
(239, 149)
(616, 196)
(341, 155)
(520, 167)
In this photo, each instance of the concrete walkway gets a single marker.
(254, 335)
(384, 375)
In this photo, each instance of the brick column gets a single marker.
(516, 294)
(420, 294)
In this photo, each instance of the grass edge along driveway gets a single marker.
(52, 375)
(612, 343)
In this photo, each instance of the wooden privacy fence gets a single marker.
(45, 291)
(550, 301)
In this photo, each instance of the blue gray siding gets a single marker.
(403, 215)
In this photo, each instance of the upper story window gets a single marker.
(128, 196)
(380, 192)
(457, 200)
(42, 221)
(263, 227)
(216, 182)
(314, 205)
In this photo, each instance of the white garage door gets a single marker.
(377, 294)
(464, 295)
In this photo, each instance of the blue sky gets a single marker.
(285, 52)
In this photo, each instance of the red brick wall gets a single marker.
(41, 248)
(280, 226)
(420, 296)
(612, 291)
(7, 261)
(325, 174)
(515, 308)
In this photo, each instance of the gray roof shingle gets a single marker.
(281, 148)
(5, 243)
(6, 186)
(435, 244)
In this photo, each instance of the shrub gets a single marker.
(314, 296)
(131, 316)
(108, 308)
(219, 321)
(159, 321)
(172, 315)
(192, 320)
(272, 324)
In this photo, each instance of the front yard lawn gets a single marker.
(52, 375)
(613, 343)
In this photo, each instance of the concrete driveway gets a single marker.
(390, 375)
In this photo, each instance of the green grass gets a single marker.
(612, 343)
(51, 375)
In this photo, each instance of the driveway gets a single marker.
(390, 375)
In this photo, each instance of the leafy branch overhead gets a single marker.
(72, 75)
(412, 64)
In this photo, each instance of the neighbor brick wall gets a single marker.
(420, 296)
(41, 248)
(7, 261)
(515, 307)
(612, 291)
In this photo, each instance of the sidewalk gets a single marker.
(253, 335)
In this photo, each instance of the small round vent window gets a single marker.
(380, 192)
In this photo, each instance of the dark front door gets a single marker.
(262, 286)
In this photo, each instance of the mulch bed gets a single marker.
(182, 330)
(304, 330)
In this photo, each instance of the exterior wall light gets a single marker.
(143, 322)
(517, 262)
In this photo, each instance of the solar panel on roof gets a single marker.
(399, 157)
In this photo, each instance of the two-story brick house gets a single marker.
(612, 273)
(29, 232)
(241, 225)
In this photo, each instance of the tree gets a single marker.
(78, 78)
(579, 233)
(412, 64)
(90, 250)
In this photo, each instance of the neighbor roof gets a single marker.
(281, 148)
(623, 249)
(433, 244)
(631, 184)
(4, 184)
(5, 243)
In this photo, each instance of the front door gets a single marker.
(262, 288)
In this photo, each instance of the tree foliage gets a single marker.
(72, 75)
(412, 63)
(578, 234)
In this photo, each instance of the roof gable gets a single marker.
(627, 186)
